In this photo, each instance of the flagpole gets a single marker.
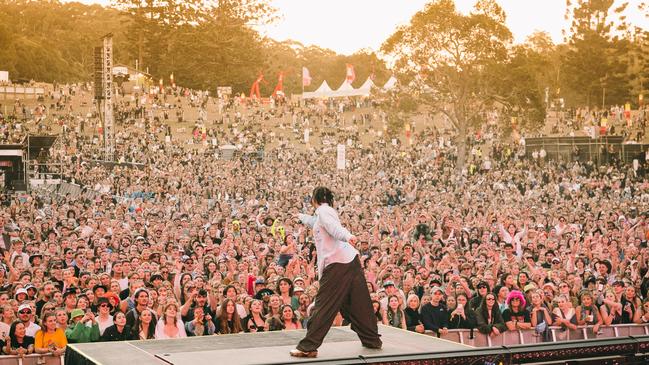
(302, 97)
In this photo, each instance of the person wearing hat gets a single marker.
(481, 291)
(79, 331)
(260, 284)
(434, 314)
(31, 291)
(98, 291)
(390, 289)
(25, 315)
(36, 259)
(21, 295)
(70, 300)
(549, 255)
(299, 281)
(156, 280)
(618, 289)
(264, 295)
(516, 316)
(549, 289)
(105, 317)
(342, 280)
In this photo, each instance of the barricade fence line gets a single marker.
(530, 337)
(32, 359)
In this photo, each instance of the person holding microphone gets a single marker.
(342, 282)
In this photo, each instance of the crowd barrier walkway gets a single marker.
(33, 359)
(530, 337)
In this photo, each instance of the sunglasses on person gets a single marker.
(103, 305)
(489, 299)
(25, 312)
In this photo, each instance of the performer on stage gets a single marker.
(342, 281)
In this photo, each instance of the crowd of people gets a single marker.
(190, 244)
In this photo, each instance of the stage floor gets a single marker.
(341, 346)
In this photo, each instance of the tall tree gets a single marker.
(444, 58)
(595, 68)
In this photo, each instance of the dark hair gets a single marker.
(120, 312)
(323, 195)
(150, 330)
(281, 313)
(12, 329)
(228, 287)
(290, 286)
(223, 323)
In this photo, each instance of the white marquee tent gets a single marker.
(346, 89)
(366, 87)
(324, 91)
(390, 84)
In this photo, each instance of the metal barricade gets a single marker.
(33, 359)
(530, 337)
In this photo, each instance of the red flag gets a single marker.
(280, 84)
(306, 77)
(351, 76)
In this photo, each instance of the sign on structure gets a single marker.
(340, 158)
(109, 142)
(222, 91)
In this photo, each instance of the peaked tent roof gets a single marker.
(391, 83)
(324, 88)
(322, 91)
(345, 89)
(367, 85)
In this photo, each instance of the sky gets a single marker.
(347, 26)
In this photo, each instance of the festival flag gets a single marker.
(351, 76)
(306, 77)
(279, 89)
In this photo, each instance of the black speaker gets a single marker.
(98, 73)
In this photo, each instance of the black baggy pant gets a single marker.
(342, 288)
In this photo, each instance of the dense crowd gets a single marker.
(191, 245)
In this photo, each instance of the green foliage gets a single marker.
(451, 62)
(595, 64)
(49, 41)
(203, 46)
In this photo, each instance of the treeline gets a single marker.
(204, 48)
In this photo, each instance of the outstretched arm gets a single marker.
(308, 220)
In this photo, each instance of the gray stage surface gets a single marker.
(341, 346)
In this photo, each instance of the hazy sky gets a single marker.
(349, 25)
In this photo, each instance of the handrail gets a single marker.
(530, 336)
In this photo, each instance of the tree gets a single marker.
(159, 27)
(595, 64)
(444, 58)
